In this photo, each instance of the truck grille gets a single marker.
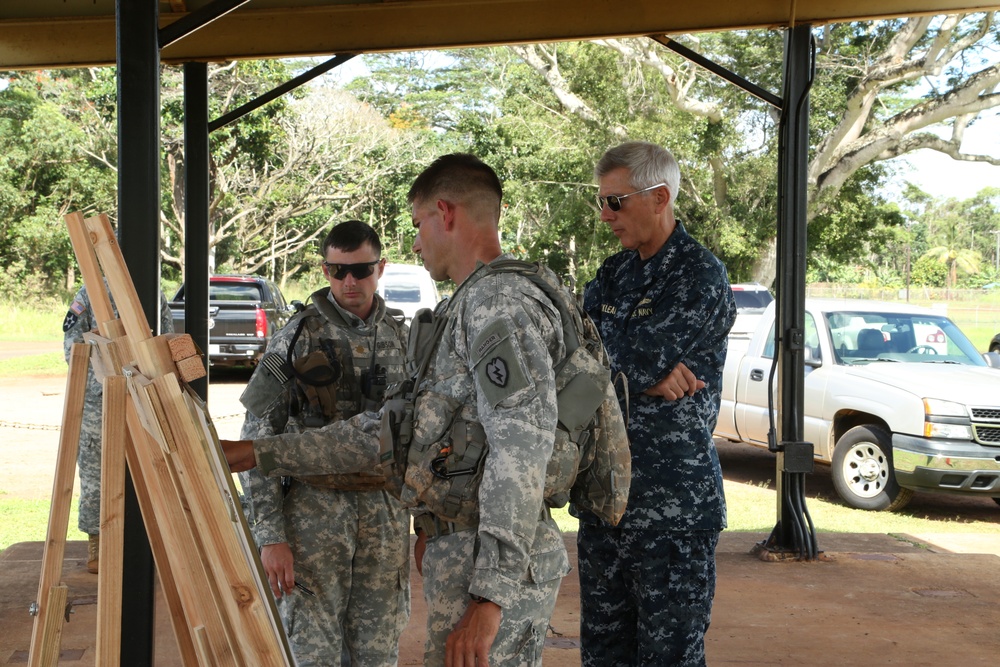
(986, 425)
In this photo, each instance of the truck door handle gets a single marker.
(756, 375)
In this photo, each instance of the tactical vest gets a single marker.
(338, 378)
(442, 468)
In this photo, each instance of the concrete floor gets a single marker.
(875, 599)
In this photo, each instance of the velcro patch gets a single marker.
(70, 320)
(497, 362)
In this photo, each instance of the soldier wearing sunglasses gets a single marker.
(334, 547)
(490, 582)
(664, 309)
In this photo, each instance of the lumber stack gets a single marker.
(220, 608)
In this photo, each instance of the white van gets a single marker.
(408, 287)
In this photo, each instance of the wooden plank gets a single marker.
(181, 559)
(220, 608)
(181, 346)
(52, 630)
(191, 369)
(90, 268)
(244, 596)
(109, 577)
(109, 255)
(62, 497)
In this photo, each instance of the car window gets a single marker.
(811, 339)
(234, 292)
(752, 298)
(402, 292)
(866, 337)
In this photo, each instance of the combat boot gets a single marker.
(93, 553)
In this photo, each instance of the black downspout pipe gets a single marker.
(138, 78)
(196, 202)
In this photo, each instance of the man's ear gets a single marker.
(662, 198)
(447, 210)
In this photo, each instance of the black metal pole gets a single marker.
(795, 457)
(138, 77)
(196, 201)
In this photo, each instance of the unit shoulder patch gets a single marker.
(497, 363)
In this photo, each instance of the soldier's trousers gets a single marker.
(448, 566)
(351, 549)
(88, 462)
(645, 595)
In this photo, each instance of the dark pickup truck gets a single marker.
(244, 312)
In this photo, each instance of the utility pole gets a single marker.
(996, 254)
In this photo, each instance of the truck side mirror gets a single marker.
(992, 359)
(811, 357)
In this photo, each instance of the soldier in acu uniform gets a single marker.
(78, 321)
(664, 309)
(491, 576)
(341, 538)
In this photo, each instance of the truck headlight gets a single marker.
(946, 419)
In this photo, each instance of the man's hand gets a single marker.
(239, 454)
(279, 566)
(679, 382)
(469, 643)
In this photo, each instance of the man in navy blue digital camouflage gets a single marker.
(664, 307)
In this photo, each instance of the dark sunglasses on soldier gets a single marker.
(614, 202)
(359, 271)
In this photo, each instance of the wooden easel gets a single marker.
(209, 570)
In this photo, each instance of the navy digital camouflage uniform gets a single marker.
(647, 585)
(78, 321)
(351, 547)
(493, 366)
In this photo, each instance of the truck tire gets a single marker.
(862, 470)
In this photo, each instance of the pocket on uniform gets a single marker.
(433, 415)
(548, 566)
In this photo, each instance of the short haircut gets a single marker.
(458, 177)
(647, 165)
(351, 235)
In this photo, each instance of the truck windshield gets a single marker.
(861, 337)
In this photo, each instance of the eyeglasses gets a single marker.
(614, 202)
(359, 271)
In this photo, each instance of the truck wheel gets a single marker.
(862, 470)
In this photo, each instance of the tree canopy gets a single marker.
(541, 115)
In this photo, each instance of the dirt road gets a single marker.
(31, 412)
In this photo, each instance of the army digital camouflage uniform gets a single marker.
(351, 548)
(494, 366)
(78, 321)
(647, 585)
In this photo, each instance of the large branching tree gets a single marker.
(883, 90)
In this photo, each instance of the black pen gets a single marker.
(304, 590)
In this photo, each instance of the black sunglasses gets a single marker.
(359, 271)
(614, 202)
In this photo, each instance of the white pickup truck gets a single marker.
(897, 400)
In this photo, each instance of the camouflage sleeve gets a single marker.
(166, 317)
(262, 495)
(508, 340)
(79, 320)
(341, 447)
(263, 502)
(691, 315)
